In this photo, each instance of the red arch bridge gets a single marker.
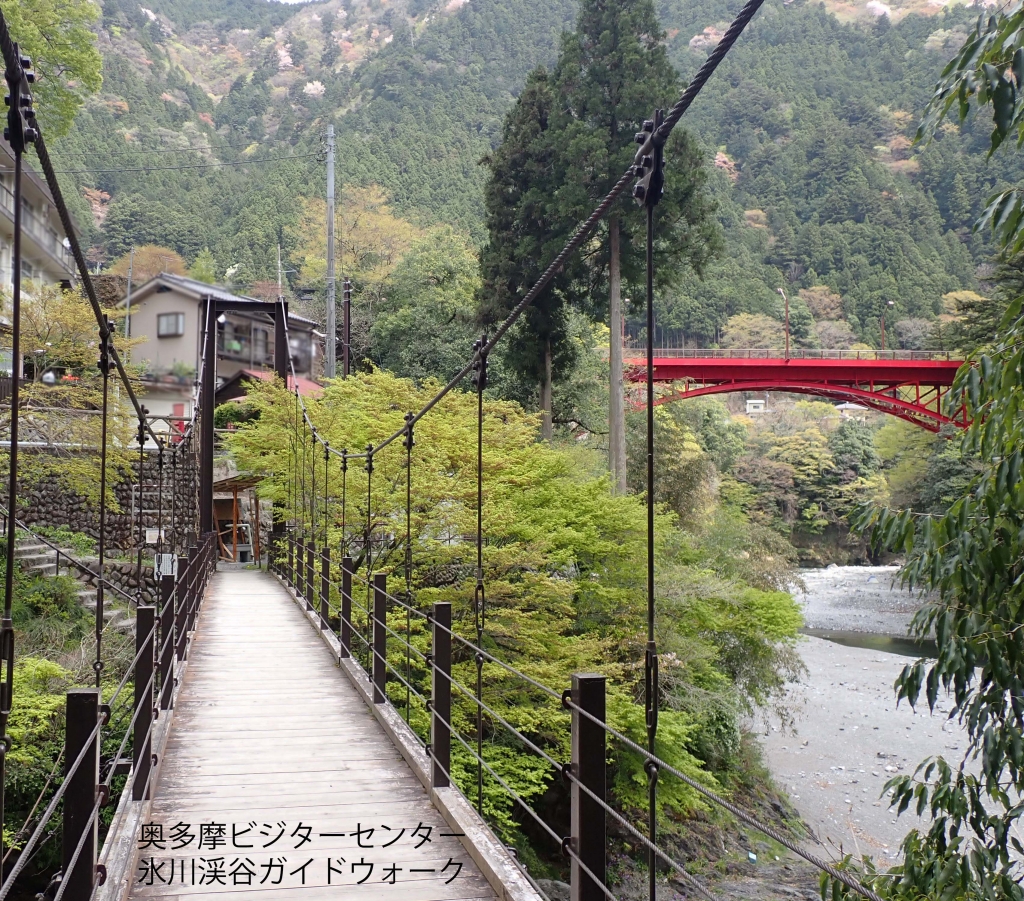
(912, 385)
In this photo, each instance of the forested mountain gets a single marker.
(809, 121)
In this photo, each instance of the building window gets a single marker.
(170, 325)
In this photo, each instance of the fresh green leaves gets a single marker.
(970, 561)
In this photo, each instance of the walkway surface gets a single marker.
(277, 779)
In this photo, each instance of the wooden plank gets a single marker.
(267, 730)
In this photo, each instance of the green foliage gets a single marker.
(969, 558)
(422, 328)
(62, 536)
(36, 729)
(58, 36)
(204, 269)
(563, 592)
(232, 413)
(988, 71)
(683, 472)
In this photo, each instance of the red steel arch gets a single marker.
(911, 386)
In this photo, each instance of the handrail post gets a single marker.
(82, 714)
(346, 606)
(194, 565)
(310, 552)
(325, 587)
(380, 647)
(441, 696)
(142, 760)
(181, 607)
(588, 768)
(166, 653)
(291, 560)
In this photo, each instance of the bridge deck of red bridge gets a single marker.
(267, 733)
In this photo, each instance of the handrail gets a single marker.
(63, 553)
(801, 353)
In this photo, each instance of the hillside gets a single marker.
(809, 122)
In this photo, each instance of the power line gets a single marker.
(208, 149)
(268, 159)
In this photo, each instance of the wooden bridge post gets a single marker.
(181, 607)
(587, 816)
(290, 575)
(380, 646)
(82, 714)
(142, 753)
(346, 606)
(441, 696)
(166, 653)
(309, 589)
(325, 587)
(193, 586)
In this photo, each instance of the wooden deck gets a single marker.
(270, 745)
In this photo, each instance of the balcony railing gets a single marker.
(240, 348)
(39, 229)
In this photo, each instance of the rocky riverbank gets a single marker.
(849, 735)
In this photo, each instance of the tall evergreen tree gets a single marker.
(566, 142)
(611, 74)
(526, 170)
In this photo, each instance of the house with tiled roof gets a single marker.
(165, 318)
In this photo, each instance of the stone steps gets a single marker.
(35, 557)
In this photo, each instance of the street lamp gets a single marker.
(888, 304)
(786, 300)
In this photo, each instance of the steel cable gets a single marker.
(738, 812)
(23, 858)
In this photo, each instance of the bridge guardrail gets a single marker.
(585, 772)
(802, 353)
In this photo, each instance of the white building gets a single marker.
(44, 257)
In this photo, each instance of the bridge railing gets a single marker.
(368, 633)
(103, 716)
(801, 353)
(162, 642)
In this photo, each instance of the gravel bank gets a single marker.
(856, 599)
(850, 738)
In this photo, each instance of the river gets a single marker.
(850, 736)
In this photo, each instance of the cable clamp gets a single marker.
(652, 768)
(565, 771)
(103, 794)
(567, 699)
(101, 874)
(104, 713)
(567, 845)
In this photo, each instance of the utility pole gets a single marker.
(888, 303)
(346, 329)
(128, 302)
(280, 280)
(330, 362)
(786, 300)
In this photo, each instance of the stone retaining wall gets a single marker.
(49, 504)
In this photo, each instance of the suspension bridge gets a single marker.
(270, 734)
